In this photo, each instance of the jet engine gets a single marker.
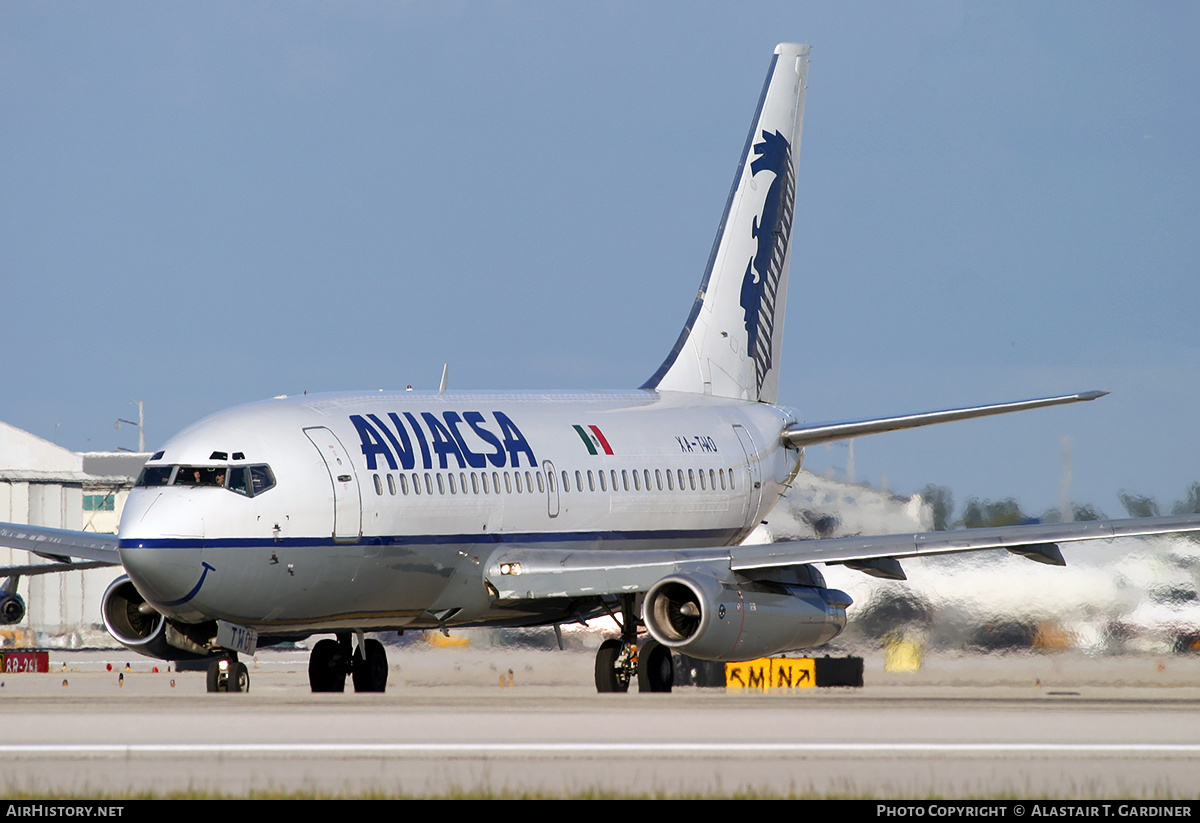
(139, 626)
(734, 619)
(12, 608)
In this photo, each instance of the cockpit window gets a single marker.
(237, 480)
(261, 479)
(156, 476)
(200, 476)
(246, 480)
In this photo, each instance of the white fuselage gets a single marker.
(385, 507)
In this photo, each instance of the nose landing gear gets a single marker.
(226, 674)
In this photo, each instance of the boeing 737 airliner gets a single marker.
(343, 514)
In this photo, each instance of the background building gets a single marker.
(42, 484)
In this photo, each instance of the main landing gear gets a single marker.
(226, 674)
(618, 662)
(331, 660)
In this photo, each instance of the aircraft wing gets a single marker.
(69, 549)
(520, 573)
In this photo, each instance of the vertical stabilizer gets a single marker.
(730, 345)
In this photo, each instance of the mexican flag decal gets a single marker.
(594, 439)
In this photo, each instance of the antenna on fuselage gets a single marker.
(445, 376)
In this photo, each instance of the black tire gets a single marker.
(370, 675)
(656, 671)
(326, 668)
(214, 676)
(610, 678)
(239, 678)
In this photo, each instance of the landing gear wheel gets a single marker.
(370, 673)
(226, 674)
(238, 679)
(656, 671)
(327, 667)
(612, 667)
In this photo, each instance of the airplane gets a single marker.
(350, 513)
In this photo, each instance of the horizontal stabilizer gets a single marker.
(800, 435)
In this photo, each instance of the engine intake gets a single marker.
(711, 619)
(139, 626)
(12, 608)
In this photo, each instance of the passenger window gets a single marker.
(404, 485)
(508, 483)
(378, 486)
(603, 480)
(450, 480)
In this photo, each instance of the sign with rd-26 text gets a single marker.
(13, 662)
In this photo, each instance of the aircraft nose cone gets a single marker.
(162, 540)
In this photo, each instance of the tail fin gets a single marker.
(730, 345)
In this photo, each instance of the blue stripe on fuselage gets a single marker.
(699, 538)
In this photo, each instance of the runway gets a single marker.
(451, 723)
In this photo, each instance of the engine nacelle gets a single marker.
(139, 626)
(730, 620)
(12, 608)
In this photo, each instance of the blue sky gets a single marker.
(207, 204)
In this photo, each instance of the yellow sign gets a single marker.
(772, 673)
